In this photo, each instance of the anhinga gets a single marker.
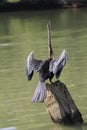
(46, 68)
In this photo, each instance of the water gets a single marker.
(22, 32)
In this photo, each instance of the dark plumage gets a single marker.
(47, 69)
(44, 71)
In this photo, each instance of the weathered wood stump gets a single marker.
(60, 105)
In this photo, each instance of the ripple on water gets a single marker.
(4, 44)
(9, 128)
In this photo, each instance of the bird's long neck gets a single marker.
(50, 50)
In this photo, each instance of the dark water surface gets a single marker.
(22, 32)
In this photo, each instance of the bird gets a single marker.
(47, 70)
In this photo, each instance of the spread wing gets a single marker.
(56, 65)
(33, 65)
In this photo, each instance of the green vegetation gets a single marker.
(46, 1)
(40, 4)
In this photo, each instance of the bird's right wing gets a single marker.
(33, 65)
(56, 65)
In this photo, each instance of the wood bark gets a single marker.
(60, 105)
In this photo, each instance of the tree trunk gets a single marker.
(60, 105)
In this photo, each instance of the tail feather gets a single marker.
(40, 93)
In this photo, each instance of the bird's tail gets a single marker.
(40, 93)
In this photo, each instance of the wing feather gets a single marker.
(33, 65)
(56, 65)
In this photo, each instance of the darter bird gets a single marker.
(47, 69)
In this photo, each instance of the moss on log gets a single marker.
(60, 105)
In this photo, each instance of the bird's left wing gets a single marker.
(33, 65)
(56, 65)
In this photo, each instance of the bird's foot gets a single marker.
(51, 82)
